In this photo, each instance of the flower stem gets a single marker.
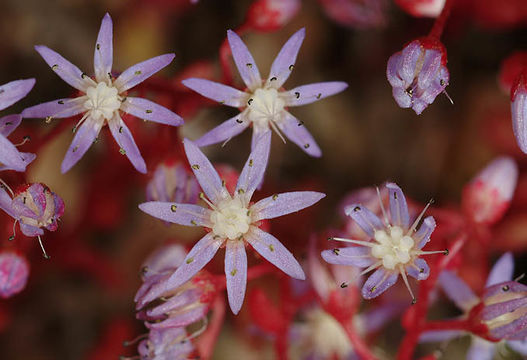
(440, 21)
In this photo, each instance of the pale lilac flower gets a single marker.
(14, 272)
(233, 221)
(10, 157)
(359, 14)
(172, 182)
(418, 74)
(103, 99)
(393, 247)
(263, 104)
(519, 111)
(166, 344)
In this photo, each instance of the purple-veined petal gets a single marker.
(422, 236)
(367, 220)
(236, 273)
(148, 110)
(205, 173)
(307, 94)
(244, 61)
(5, 202)
(391, 71)
(440, 335)
(378, 282)
(502, 271)
(27, 158)
(256, 136)
(273, 251)
(519, 117)
(520, 346)
(103, 55)
(60, 108)
(359, 256)
(64, 69)
(10, 157)
(13, 91)
(295, 131)
(495, 310)
(125, 140)
(31, 231)
(183, 214)
(181, 319)
(225, 95)
(398, 206)
(284, 203)
(285, 60)
(457, 291)
(225, 131)
(140, 72)
(9, 123)
(409, 58)
(481, 349)
(177, 302)
(84, 138)
(419, 269)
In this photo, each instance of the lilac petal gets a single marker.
(183, 214)
(284, 203)
(31, 231)
(84, 138)
(502, 271)
(13, 91)
(392, 71)
(236, 273)
(103, 55)
(182, 319)
(519, 119)
(422, 236)
(498, 309)
(419, 269)
(402, 98)
(273, 251)
(125, 140)
(307, 94)
(520, 346)
(224, 132)
(398, 206)
(358, 256)
(9, 123)
(60, 108)
(409, 57)
(244, 61)
(140, 72)
(164, 259)
(10, 157)
(205, 173)
(285, 60)
(440, 335)
(430, 69)
(254, 169)
(148, 110)
(27, 158)
(375, 319)
(64, 69)
(378, 282)
(457, 291)
(481, 349)
(5, 202)
(223, 94)
(295, 131)
(176, 302)
(367, 220)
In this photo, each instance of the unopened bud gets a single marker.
(14, 271)
(519, 110)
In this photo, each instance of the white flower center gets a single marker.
(264, 105)
(327, 335)
(103, 101)
(393, 247)
(230, 219)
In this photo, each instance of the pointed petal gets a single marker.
(31, 231)
(180, 320)
(183, 214)
(457, 290)
(273, 251)
(358, 256)
(419, 269)
(64, 69)
(307, 94)
(223, 94)
(9, 123)
(205, 173)
(177, 302)
(367, 220)
(142, 71)
(481, 349)
(84, 138)
(285, 60)
(503, 270)
(284, 203)
(103, 55)
(60, 108)
(295, 131)
(244, 61)
(440, 335)
(236, 273)
(125, 140)
(398, 206)
(13, 91)
(422, 236)
(520, 346)
(378, 282)
(10, 157)
(5, 202)
(148, 110)
(223, 132)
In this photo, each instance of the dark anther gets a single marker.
(120, 130)
(195, 167)
(98, 46)
(239, 121)
(273, 78)
(414, 301)
(300, 123)
(356, 208)
(442, 82)
(138, 72)
(173, 208)
(83, 75)
(148, 111)
(506, 288)
(410, 92)
(249, 65)
(446, 252)
(343, 285)
(319, 95)
(297, 94)
(336, 251)
(395, 195)
(306, 146)
(11, 238)
(250, 101)
(61, 102)
(291, 67)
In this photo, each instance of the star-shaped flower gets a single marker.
(233, 221)
(263, 104)
(103, 99)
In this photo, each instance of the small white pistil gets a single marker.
(102, 101)
(230, 219)
(265, 105)
(393, 247)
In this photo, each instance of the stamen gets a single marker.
(370, 268)
(519, 277)
(275, 128)
(358, 242)
(12, 237)
(25, 140)
(135, 340)
(204, 198)
(448, 97)
(84, 117)
(416, 222)
(386, 222)
(46, 256)
(444, 252)
(5, 186)
(405, 279)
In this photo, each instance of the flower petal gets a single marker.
(422, 236)
(64, 69)
(307, 94)
(60, 108)
(295, 131)
(236, 273)
(419, 269)
(148, 110)
(84, 138)
(9, 123)
(520, 346)
(103, 55)
(180, 320)
(284, 203)
(140, 72)
(358, 256)
(503, 270)
(13, 91)
(398, 207)
(125, 140)
(183, 214)
(223, 94)
(225, 131)
(10, 157)
(285, 60)
(367, 220)
(244, 61)
(457, 290)
(440, 335)
(378, 282)
(481, 349)
(5, 202)
(273, 251)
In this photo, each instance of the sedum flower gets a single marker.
(103, 99)
(233, 221)
(358, 14)
(263, 104)
(166, 344)
(14, 272)
(393, 248)
(519, 110)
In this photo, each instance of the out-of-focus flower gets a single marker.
(395, 249)
(165, 344)
(519, 110)
(360, 14)
(271, 15)
(487, 197)
(103, 98)
(172, 182)
(422, 8)
(14, 271)
(263, 104)
(233, 221)
(418, 74)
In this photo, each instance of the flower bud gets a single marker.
(173, 183)
(360, 14)
(271, 15)
(422, 8)
(519, 110)
(14, 271)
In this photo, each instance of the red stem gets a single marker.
(359, 345)
(440, 22)
(464, 324)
